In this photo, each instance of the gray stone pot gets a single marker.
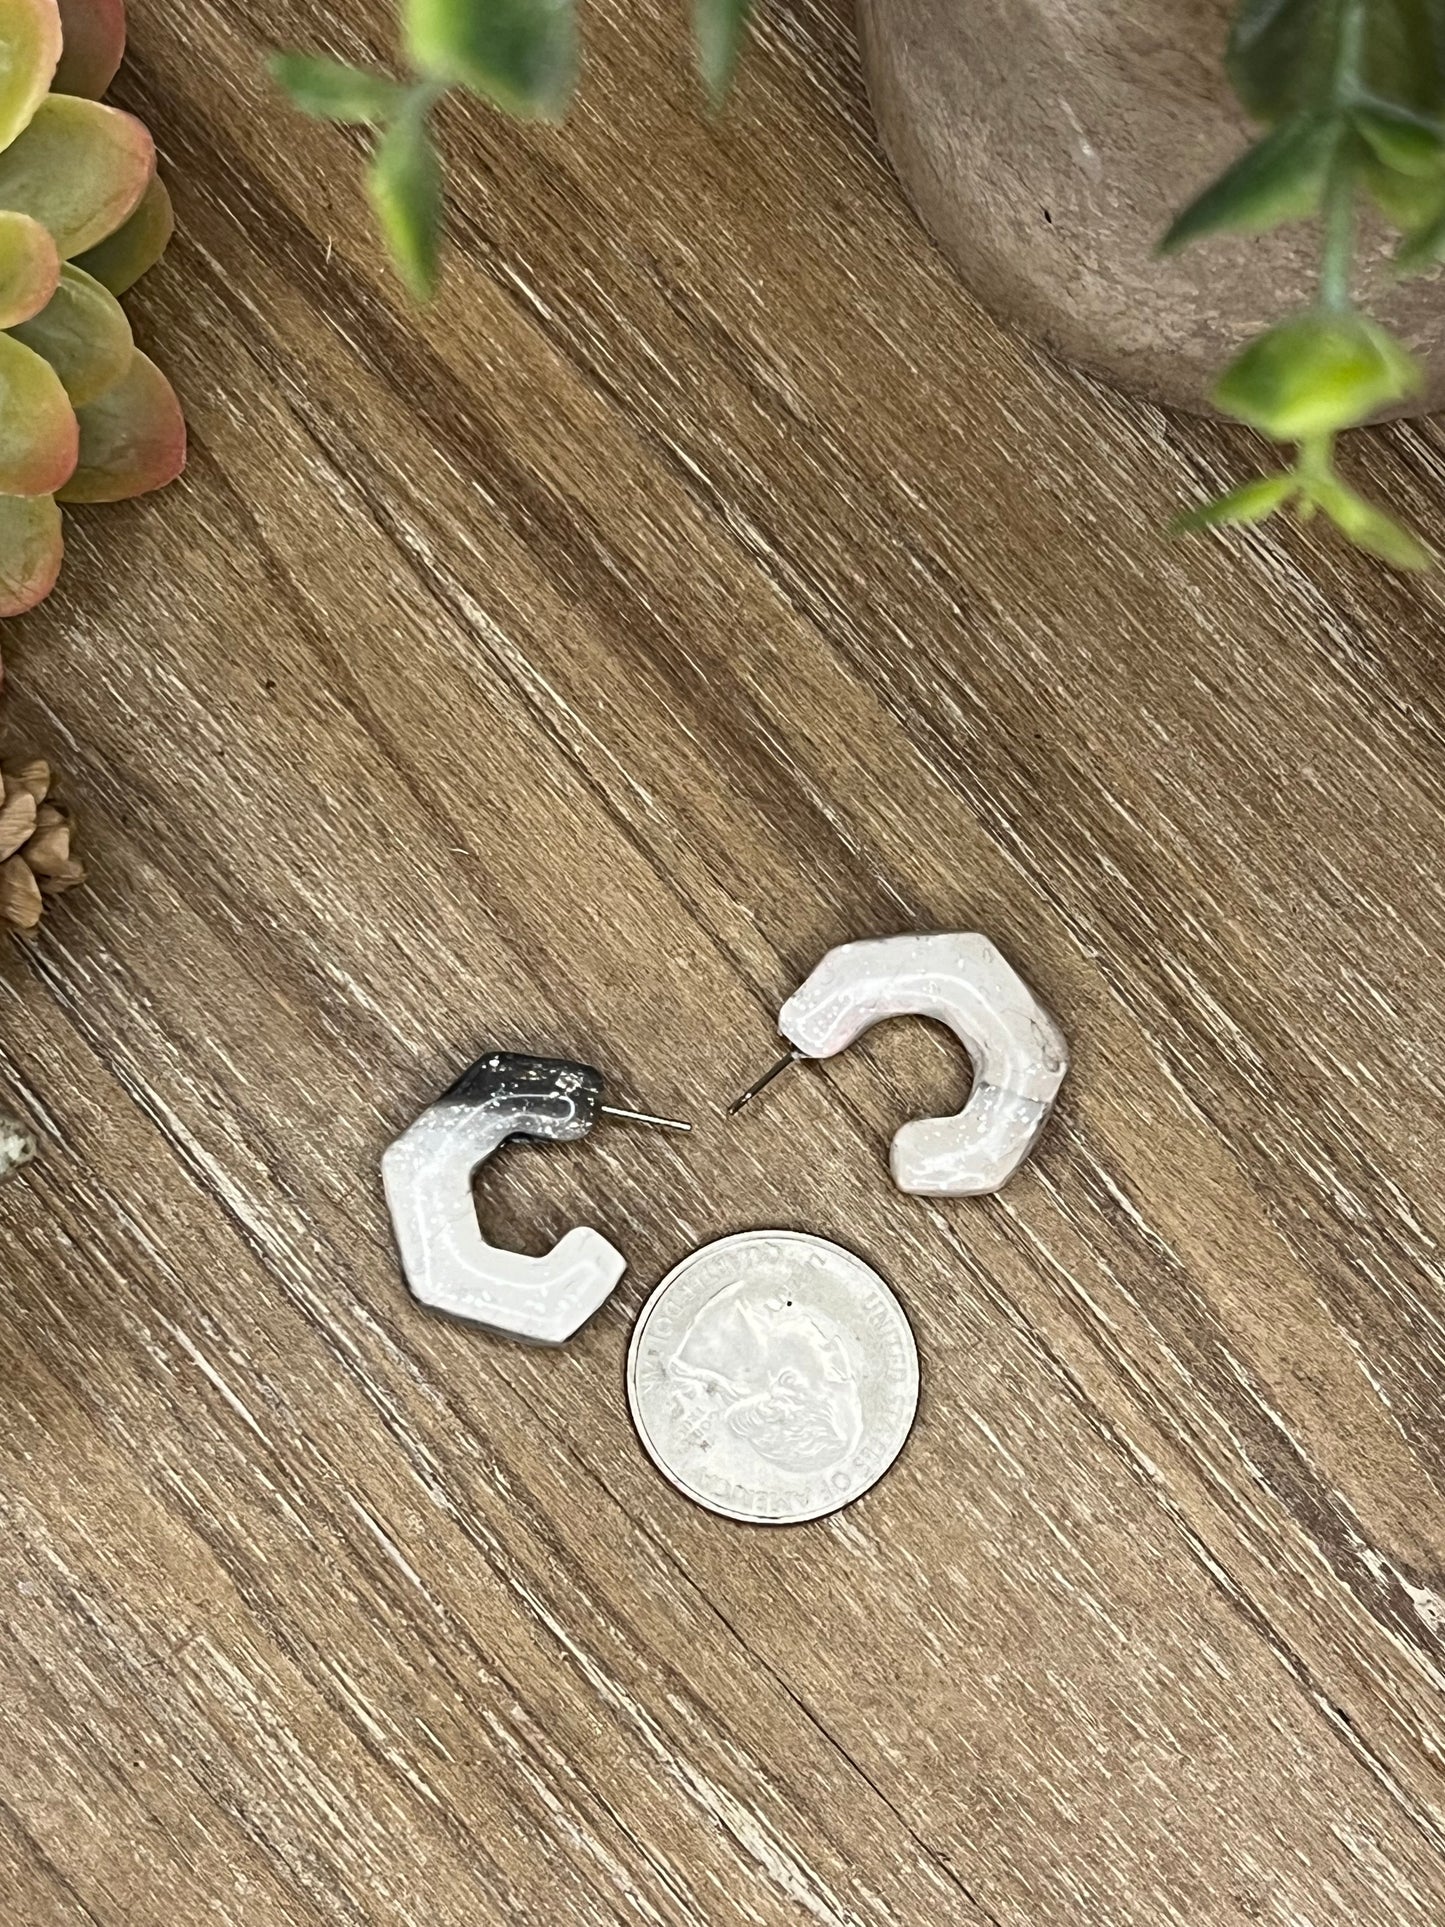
(1047, 144)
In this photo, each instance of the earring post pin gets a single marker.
(763, 1082)
(643, 1117)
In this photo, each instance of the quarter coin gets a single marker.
(773, 1377)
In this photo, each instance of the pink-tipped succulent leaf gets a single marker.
(84, 335)
(29, 267)
(84, 415)
(38, 437)
(94, 43)
(132, 438)
(31, 547)
(79, 168)
(120, 260)
(29, 50)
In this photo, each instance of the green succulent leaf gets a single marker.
(1425, 246)
(29, 267)
(31, 547)
(405, 184)
(79, 169)
(94, 45)
(1406, 200)
(1317, 373)
(29, 51)
(37, 423)
(718, 27)
(1280, 52)
(1406, 143)
(519, 54)
(132, 438)
(331, 90)
(1368, 527)
(1280, 178)
(120, 260)
(1251, 502)
(84, 335)
(1403, 56)
(1277, 49)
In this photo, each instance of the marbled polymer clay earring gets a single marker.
(428, 1175)
(1018, 1052)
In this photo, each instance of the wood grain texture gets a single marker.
(702, 581)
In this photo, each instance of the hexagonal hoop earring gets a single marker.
(427, 1174)
(962, 980)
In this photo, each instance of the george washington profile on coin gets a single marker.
(775, 1373)
(772, 1376)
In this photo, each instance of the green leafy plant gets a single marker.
(1352, 94)
(84, 415)
(518, 55)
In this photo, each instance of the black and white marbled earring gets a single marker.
(428, 1173)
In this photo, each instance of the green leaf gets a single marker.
(79, 169)
(1368, 527)
(405, 184)
(1251, 502)
(1281, 52)
(31, 545)
(1278, 50)
(519, 54)
(1406, 143)
(29, 267)
(84, 335)
(1403, 56)
(331, 90)
(1281, 178)
(1424, 247)
(94, 45)
(29, 50)
(120, 260)
(717, 30)
(1317, 373)
(1406, 200)
(132, 438)
(37, 423)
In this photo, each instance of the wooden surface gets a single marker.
(702, 581)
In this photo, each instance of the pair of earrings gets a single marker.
(959, 979)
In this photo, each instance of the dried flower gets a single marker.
(35, 838)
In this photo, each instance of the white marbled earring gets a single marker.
(962, 980)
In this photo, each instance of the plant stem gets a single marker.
(423, 95)
(1316, 460)
(1338, 257)
(1337, 260)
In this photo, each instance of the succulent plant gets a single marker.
(84, 415)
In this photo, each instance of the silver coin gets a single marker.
(773, 1377)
